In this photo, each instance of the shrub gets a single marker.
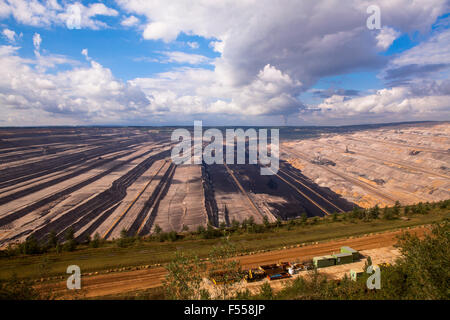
(265, 292)
(125, 240)
(235, 224)
(406, 210)
(396, 209)
(70, 244)
(201, 230)
(52, 240)
(95, 243)
(157, 229)
(388, 214)
(211, 233)
(304, 217)
(266, 222)
(30, 246)
(14, 289)
(375, 212)
(290, 224)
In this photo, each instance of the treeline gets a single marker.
(390, 213)
(421, 272)
(52, 244)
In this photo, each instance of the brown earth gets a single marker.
(408, 163)
(116, 283)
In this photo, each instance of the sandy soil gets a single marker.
(409, 164)
(183, 205)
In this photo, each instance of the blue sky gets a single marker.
(146, 62)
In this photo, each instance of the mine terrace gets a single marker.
(103, 180)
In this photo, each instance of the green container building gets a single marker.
(325, 261)
(343, 258)
(354, 252)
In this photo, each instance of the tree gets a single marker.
(365, 216)
(396, 209)
(304, 218)
(123, 233)
(30, 246)
(355, 213)
(70, 244)
(266, 222)
(291, 224)
(375, 212)
(419, 208)
(211, 232)
(265, 292)
(157, 229)
(124, 240)
(235, 224)
(52, 239)
(70, 234)
(95, 243)
(406, 210)
(172, 236)
(223, 261)
(201, 229)
(244, 224)
(184, 277)
(387, 214)
(424, 264)
(278, 223)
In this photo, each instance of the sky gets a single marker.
(243, 62)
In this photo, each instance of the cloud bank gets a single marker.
(270, 54)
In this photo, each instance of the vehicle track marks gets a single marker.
(119, 218)
(357, 182)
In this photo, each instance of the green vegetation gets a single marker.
(221, 262)
(97, 254)
(422, 272)
(184, 278)
(15, 289)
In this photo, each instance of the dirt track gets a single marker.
(115, 283)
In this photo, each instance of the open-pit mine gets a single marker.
(105, 180)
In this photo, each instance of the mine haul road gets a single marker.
(122, 282)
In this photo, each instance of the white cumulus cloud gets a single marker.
(386, 37)
(10, 35)
(130, 21)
